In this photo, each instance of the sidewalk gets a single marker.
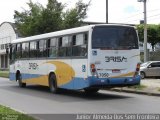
(149, 87)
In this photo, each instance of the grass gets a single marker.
(138, 87)
(9, 114)
(4, 74)
(159, 89)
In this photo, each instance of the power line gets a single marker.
(140, 13)
(153, 10)
(153, 15)
(153, 18)
(147, 18)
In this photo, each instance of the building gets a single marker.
(8, 33)
(141, 46)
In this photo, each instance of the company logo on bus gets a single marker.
(115, 59)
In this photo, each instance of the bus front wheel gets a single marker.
(53, 83)
(20, 83)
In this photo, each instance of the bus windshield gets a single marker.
(114, 37)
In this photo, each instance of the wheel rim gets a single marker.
(142, 75)
(19, 79)
(52, 83)
(21, 84)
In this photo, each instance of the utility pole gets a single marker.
(145, 29)
(106, 11)
(145, 32)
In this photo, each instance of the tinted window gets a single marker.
(53, 47)
(64, 46)
(33, 49)
(114, 37)
(157, 64)
(18, 51)
(79, 44)
(13, 53)
(25, 50)
(42, 50)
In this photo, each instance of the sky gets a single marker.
(120, 11)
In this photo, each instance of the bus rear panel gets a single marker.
(114, 57)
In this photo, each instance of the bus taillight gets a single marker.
(138, 67)
(93, 69)
(137, 70)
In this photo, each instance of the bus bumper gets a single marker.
(113, 82)
(81, 83)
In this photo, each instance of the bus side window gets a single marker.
(42, 50)
(33, 49)
(45, 49)
(18, 51)
(79, 43)
(64, 46)
(13, 53)
(60, 51)
(53, 47)
(68, 47)
(25, 50)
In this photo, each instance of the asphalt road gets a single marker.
(38, 100)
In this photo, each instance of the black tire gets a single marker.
(53, 84)
(20, 83)
(91, 90)
(142, 75)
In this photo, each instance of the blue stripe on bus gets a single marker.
(80, 83)
(12, 76)
(76, 83)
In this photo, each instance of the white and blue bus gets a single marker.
(88, 57)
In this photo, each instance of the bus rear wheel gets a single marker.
(20, 83)
(53, 83)
(91, 90)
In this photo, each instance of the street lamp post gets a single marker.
(145, 29)
(106, 11)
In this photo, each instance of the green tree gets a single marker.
(51, 17)
(75, 16)
(27, 21)
(158, 28)
(140, 29)
(38, 19)
(153, 36)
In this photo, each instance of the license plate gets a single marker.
(116, 71)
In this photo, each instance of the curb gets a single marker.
(136, 92)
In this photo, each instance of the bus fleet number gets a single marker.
(103, 75)
(33, 66)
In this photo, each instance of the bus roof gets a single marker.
(62, 32)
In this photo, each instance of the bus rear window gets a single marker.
(114, 37)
